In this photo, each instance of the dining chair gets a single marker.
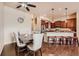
(37, 43)
(20, 46)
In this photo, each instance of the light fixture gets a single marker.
(60, 9)
(66, 14)
(53, 13)
(24, 5)
(53, 9)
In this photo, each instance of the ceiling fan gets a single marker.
(26, 5)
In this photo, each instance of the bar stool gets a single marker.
(75, 41)
(54, 40)
(60, 40)
(63, 39)
(69, 40)
(66, 41)
(57, 40)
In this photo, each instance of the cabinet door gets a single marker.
(52, 25)
(58, 24)
(63, 24)
(71, 23)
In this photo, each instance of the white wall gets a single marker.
(77, 23)
(1, 28)
(12, 25)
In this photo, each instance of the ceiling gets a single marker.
(44, 8)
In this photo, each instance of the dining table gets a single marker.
(26, 38)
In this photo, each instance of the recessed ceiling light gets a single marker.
(64, 13)
(59, 9)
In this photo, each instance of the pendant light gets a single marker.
(66, 9)
(53, 13)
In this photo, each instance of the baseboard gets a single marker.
(9, 43)
(1, 50)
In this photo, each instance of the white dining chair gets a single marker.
(37, 43)
(20, 46)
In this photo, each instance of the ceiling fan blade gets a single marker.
(27, 9)
(31, 5)
(19, 6)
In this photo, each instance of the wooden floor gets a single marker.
(60, 50)
(51, 50)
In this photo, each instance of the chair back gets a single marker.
(37, 41)
(17, 40)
